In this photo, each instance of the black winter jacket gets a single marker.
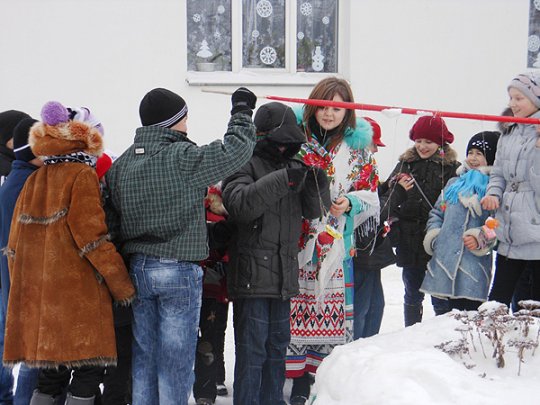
(369, 257)
(263, 255)
(431, 176)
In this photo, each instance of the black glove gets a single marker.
(317, 183)
(296, 176)
(243, 101)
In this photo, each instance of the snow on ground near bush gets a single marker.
(403, 367)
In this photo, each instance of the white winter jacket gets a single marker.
(515, 180)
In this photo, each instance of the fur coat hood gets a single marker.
(448, 158)
(65, 138)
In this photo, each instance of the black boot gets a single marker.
(301, 389)
(412, 313)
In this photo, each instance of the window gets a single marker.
(267, 41)
(533, 56)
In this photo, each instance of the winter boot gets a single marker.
(39, 398)
(71, 400)
(412, 313)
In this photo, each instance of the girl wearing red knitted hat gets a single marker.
(429, 164)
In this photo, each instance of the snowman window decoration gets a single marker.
(318, 60)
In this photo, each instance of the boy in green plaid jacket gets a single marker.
(157, 219)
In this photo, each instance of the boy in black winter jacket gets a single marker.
(267, 199)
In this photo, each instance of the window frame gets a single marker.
(275, 77)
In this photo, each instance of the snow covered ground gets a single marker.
(401, 366)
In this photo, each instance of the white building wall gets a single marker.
(454, 55)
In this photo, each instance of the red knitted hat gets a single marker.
(103, 164)
(431, 128)
(376, 131)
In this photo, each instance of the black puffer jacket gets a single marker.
(268, 215)
(431, 174)
(369, 257)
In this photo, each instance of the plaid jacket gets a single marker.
(157, 188)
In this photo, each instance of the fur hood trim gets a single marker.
(359, 137)
(96, 362)
(356, 138)
(411, 155)
(65, 138)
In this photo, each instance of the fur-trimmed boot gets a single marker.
(38, 398)
(412, 314)
(71, 400)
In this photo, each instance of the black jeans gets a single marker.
(85, 382)
(209, 364)
(507, 274)
(117, 380)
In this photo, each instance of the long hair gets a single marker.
(326, 89)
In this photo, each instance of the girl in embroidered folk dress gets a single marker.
(514, 191)
(462, 278)
(321, 315)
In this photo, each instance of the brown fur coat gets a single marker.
(63, 268)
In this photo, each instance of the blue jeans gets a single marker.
(368, 302)
(6, 378)
(26, 384)
(412, 280)
(261, 335)
(165, 322)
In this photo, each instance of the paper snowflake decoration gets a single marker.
(534, 43)
(217, 35)
(196, 17)
(220, 9)
(255, 34)
(264, 8)
(325, 20)
(300, 35)
(537, 4)
(536, 64)
(306, 8)
(268, 55)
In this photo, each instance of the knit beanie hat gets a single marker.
(162, 108)
(432, 128)
(485, 142)
(8, 121)
(20, 140)
(529, 84)
(376, 131)
(103, 164)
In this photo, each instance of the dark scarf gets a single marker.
(76, 157)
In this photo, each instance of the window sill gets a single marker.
(248, 78)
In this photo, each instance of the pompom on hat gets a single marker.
(432, 128)
(529, 84)
(162, 108)
(54, 113)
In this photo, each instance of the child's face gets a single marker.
(475, 159)
(520, 105)
(330, 117)
(425, 147)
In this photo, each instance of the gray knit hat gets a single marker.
(529, 84)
